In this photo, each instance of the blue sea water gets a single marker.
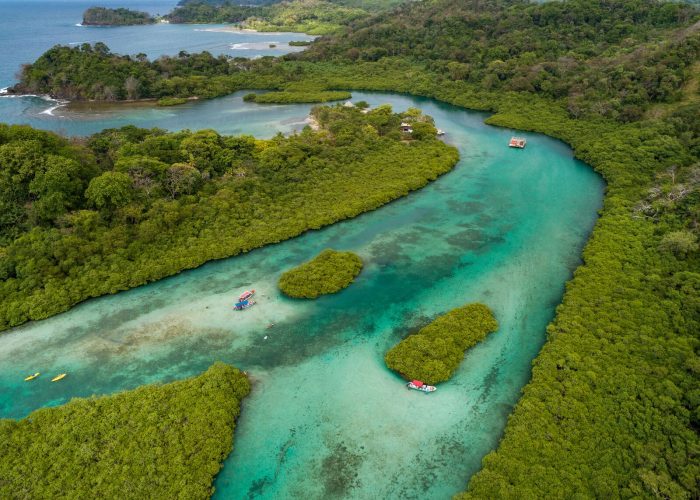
(325, 419)
(30, 27)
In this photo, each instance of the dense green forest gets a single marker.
(101, 16)
(613, 406)
(315, 17)
(329, 272)
(157, 441)
(84, 218)
(435, 352)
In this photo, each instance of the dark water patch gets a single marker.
(339, 470)
(466, 207)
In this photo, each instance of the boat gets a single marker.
(31, 377)
(420, 386)
(517, 142)
(243, 304)
(246, 295)
(440, 132)
(59, 377)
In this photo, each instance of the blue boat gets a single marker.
(243, 304)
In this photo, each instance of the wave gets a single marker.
(80, 25)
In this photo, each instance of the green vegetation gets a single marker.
(316, 17)
(81, 219)
(328, 272)
(299, 43)
(171, 101)
(613, 406)
(297, 97)
(157, 441)
(101, 16)
(434, 353)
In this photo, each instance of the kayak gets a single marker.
(59, 377)
(32, 377)
(420, 386)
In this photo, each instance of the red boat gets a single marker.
(420, 386)
(246, 295)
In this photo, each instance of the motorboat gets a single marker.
(243, 304)
(418, 385)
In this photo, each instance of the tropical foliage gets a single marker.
(298, 97)
(329, 272)
(101, 16)
(157, 441)
(129, 206)
(434, 353)
(613, 406)
(171, 101)
(315, 17)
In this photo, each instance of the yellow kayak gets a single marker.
(32, 377)
(59, 377)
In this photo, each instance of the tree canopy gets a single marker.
(156, 441)
(329, 272)
(435, 352)
(128, 206)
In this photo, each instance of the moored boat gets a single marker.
(517, 142)
(420, 386)
(246, 295)
(243, 304)
(31, 377)
(59, 377)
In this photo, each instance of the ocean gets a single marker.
(30, 27)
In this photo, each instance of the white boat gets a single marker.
(517, 142)
(418, 385)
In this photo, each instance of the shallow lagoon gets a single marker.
(325, 418)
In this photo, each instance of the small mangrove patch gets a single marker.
(294, 97)
(434, 353)
(328, 272)
(171, 101)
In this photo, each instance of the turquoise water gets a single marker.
(326, 418)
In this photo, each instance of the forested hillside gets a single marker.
(608, 58)
(101, 16)
(315, 17)
(81, 219)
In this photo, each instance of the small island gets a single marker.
(434, 353)
(171, 101)
(156, 441)
(298, 97)
(328, 272)
(102, 16)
